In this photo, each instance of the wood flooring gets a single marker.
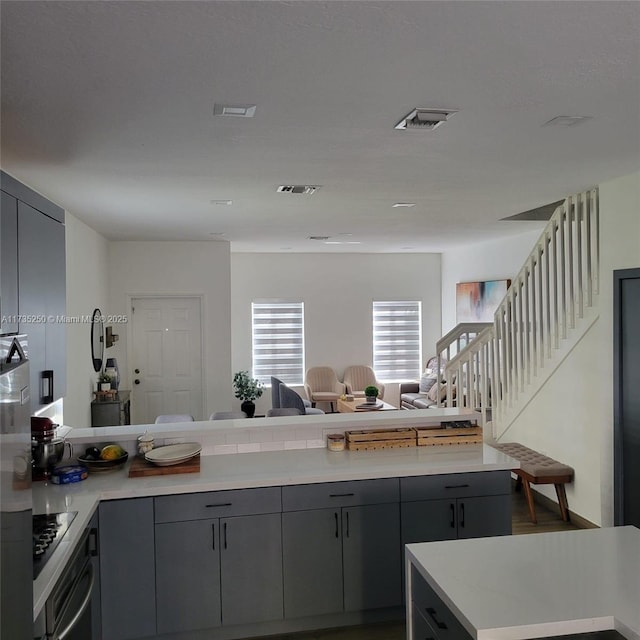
(548, 520)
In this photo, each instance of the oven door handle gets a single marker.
(85, 603)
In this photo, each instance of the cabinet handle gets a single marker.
(453, 516)
(219, 504)
(432, 612)
(336, 517)
(462, 514)
(347, 524)
(341, 495)
(46, 380)
(213, 536)
(456, 486)
(93, 541)
(225, 535)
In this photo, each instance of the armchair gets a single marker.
(322, 385)
(358, 377)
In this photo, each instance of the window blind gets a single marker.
(397, 336)
(278, 341)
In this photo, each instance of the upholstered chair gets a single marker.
(289, 399)
(275, 394)
(176, 417)
(283, 412)
(322, 385)
(360, 376)
(228, 415)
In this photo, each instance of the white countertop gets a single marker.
(248, 470)
(538, 585)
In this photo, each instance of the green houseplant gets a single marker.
(371, 393)
(248, 390)
(104, 382)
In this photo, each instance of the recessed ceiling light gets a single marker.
(566, 121)
(403, 204)
(218, 234)
(333, 242)
(222, 202)
(425, 119)
(235, 110)
(343, 242)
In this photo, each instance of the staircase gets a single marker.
(498, 368)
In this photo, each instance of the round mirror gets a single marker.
(97, 339)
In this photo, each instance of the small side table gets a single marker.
(113, 411)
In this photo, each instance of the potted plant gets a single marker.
(104, 382)
(247, 389)
(371, 393)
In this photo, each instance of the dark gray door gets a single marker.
(484, 516)
(42, 299)
(428, 520)
(627, 396)
(8, 264)
(371, 557)
(188, 575)
(312, 562)
(251, 569)
(127, 569)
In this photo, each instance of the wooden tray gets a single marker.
(140, 468)
(430, 437)
(381, 439)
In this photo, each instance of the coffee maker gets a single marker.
(47, 449)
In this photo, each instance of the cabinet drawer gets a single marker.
(339, 494)
(441, 621)
(217, 504)
(455, 485)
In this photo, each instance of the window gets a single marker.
(397, 348)
(278, 341)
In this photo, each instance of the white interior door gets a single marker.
(167, 358)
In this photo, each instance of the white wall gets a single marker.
(571, 418)
(491, 260)
(87, 276)
(337, 291)
(178, 268)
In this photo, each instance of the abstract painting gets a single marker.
(478, 301)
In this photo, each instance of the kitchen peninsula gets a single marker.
(211, 548)
(528, 586)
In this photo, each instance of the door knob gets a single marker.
(136, 371)
(136, 381)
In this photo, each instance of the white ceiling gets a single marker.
(107, 109)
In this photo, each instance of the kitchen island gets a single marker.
(529, 586)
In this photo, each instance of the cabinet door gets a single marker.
(484, 516)
(371, 557)
(428, 520)
(41, 285)
(127, 569)
(251, 565)
(312, 562)
(8, 263)
(187, 575)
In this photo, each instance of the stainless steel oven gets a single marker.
(68, 609)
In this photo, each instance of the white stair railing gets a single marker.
(543, 306)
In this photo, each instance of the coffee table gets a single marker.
(350, 406)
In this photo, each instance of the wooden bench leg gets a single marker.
(529, 495)
(518, 484)
(562, 501)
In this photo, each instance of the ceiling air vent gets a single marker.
(304, 189)
(319, 237)
(425, 119)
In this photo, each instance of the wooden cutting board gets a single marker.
(140, 468)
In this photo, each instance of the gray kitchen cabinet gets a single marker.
(8, 264)
(127, 569)
(372, 557)
(312, 562)
(447, 507)
(187, 575)
(213, 571)
(42, 302)
(346, 558)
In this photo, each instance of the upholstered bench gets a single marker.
(536, 468)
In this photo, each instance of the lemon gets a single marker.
(111, 452)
